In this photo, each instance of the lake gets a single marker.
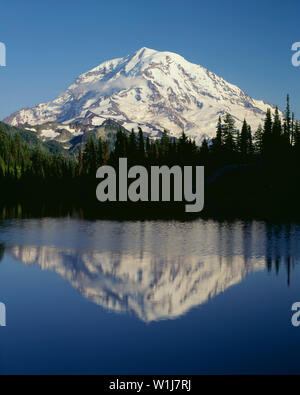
(159, 297)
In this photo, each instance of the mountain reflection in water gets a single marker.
(155, 270)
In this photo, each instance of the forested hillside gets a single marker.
(245, 170)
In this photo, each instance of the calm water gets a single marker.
(149, 297)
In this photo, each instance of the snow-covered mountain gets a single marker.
(151, 89)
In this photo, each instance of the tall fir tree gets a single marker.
(267, 134)
(229, 134)
(258, 140)
(141, 146)
(244, 140)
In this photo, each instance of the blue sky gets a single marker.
(50, 42)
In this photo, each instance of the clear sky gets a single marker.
(50, 42)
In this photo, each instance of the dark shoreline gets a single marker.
(163, 211)
(259, 191)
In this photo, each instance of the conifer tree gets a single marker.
(287, 120)
(132, 148)
(267, 133)
(99, 153)
(277, 126)
(293, 129)
(204, 151)
(80, 162)
(217, 141)
(164, 144)
(244, 140)
(258, 140)
(228, 133)
(90, 157)
(250, 141)
(141, 145)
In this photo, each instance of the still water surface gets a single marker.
(158, 297)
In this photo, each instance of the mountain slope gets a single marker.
(32, 139)
(68, 137)
(152, 89)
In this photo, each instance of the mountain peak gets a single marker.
(144, 51)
